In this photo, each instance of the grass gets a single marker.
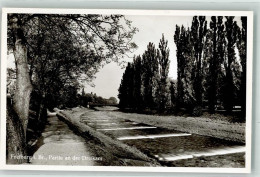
(218, 126)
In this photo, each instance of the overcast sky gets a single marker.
(151, 29)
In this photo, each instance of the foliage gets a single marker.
(87, 99)
(230, 64)
(185, 72)
(150, 76)
(217, 54)
(112, 100)
(173, 92)
(164, 63)
(198, 33)
(241, 45)
(66, 48)
(209, 74)
(125, 93)
(137, 78)
(145, 83)
(55, 53)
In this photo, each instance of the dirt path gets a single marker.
(61, 146)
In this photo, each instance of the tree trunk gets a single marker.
(41, 113)
(23, 83)
(15, 139)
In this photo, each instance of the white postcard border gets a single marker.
(249, 15)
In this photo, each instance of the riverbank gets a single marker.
(214, 127)
(116, 152)
(208, 126)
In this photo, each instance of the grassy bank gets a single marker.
(214, 127)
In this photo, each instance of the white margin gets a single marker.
(3, 89)
(249, 15)
(249, 90)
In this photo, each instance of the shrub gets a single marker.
(197, 111)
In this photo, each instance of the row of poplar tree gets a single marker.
(211, 70)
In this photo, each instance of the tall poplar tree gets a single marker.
(150, 75)
(125, 90)
(178, 39)
(231, 29)
(164, 63)
(137, 78)
(185, 68)
(198, 33)
(189, 96)
(242, 48)
(216, 60)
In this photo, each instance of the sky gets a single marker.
(151, 28)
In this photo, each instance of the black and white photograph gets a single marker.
(126, 90)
